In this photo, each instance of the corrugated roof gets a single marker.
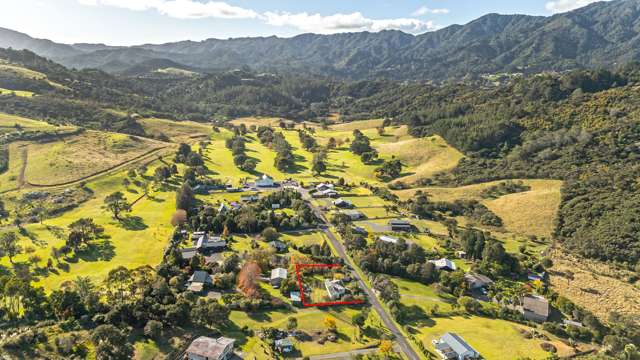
(209, 347)
(457, 344)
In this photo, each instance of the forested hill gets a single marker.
(599, 35)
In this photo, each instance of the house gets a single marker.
(477, 281)
(353, 214)
(295, 298)
(452, 346)
(275, 206)
(201, 189)
(284, 345)
(388, 239)
(572, 323)
(400, 225)
(461, 254)
(198, 280)
(278, 245)
(278, 275)
(324, 186)
(188, 253)
(249, 198)
(341, 203)
(207, 244)
(265, 181)
(196, 235)
(334, 289)
(444, 264)
(535, 308)
(359, 230)
(206, 348)
(536, 277)
(329, 193)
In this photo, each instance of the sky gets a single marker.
(131, 22)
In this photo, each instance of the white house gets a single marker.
(444, 264)
(206, 348)
(388, 239)
(265, 181)
(278, 275)
(452, 346)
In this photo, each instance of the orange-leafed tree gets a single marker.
(248, 279)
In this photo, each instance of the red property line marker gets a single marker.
(329, 303)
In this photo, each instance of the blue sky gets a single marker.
(128, 22)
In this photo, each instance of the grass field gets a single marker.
(146, 227)
(531, 212)
(309, 320)
(177, 131)
(8, 123)
(27, 73)
(16, 92)
(494, 339)
(9, 179)
(81, 155)
(423, 157)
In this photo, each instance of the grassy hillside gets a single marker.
(73, 158)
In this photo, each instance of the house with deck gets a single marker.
(444, 264)
(335, 290)
(198, 281)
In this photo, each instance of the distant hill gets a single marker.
(600, 35)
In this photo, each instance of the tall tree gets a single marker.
(117, 204)
(9, 246)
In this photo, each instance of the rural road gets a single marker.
(375, 303)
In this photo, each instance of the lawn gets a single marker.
(8, 123)
(494, 339)
(177, 131)
(16, 92)
(531, 212)
(420, 299)
(82, 155)
(309, 320)
(147, 227)
(424, 157)
(9, 179)
(304, 238)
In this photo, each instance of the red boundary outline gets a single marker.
(329, 303)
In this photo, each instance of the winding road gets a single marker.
(402, 341)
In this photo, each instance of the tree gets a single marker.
(318, 164)
(117, 204)
(270, 234)
(153, 329)
(332, 143)
(330, 324)
(359, 319)
(86, 228)
(9, 246)
(292, 323)
(179, 217)
(110, 343)
(185, 198)
(249, 278)
(386, 347)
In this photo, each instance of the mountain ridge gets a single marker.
(602, 34)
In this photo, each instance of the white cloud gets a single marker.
(560, 6)
(423, 10)
(180, 9)
(191, 9)
(337, 23)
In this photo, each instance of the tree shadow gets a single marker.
(414, 315)
(97, 251)
(133, 223)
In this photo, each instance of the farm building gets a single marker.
(444, 264)
(324, 186)
(329, 193)
(400, 225)
(341, 203)
(535, 308)
(452, 346)
(353, 214)
(206, 348)
(249, 198)
(388, 239)
(210, 244)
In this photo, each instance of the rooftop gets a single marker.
(389, 239)
(209, 348)
(279, 273)
(455, 343)
(536, 304)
